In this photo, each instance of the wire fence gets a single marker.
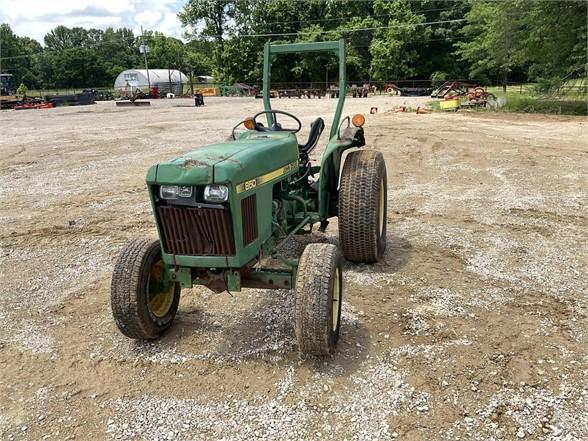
(571, 89)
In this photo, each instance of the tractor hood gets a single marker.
(252, 154)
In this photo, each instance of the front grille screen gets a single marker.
(248, 210)
(199, 231)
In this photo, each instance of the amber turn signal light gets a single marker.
(358, 120)
(249, 123)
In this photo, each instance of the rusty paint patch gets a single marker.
(191, 163)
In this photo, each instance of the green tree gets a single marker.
(547, 40)
(18, 56)
(393, 55)
(164, 51)
(213, 16)
(242, 61)
(117, 50)
(197, 63)
(494, 29)
(436, 46)
(198, 57)
(75, 68)
(62, 37)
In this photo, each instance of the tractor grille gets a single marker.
(249, 213)
(196, 231)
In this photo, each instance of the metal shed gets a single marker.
(131, 79)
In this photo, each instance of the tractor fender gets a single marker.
(331, 166)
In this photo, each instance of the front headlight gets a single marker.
(216, 193)
(175, 191)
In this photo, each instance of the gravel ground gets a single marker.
(472, 327)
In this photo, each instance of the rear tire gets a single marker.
(363, 202)
(140, 307)
(319, 295)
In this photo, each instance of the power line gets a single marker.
(285, 34)
(351, 45)
(320, 20)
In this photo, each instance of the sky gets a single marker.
(34, 18)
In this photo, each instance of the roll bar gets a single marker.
(337, 47)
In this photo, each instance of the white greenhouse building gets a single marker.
(131, 79)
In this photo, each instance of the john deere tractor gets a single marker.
(223, 210)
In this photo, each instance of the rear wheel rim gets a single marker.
(159, 302)
(336, 299)
(382, 208)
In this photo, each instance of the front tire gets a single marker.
(142, 308)
(363, 202)
(318, 297)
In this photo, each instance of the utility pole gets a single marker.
(145, 55)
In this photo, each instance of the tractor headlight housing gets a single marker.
(216, 193)
(175, 191)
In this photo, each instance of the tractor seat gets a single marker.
(316, 129)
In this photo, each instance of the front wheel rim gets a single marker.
(336, 299)
(159, 303)
(382, 210)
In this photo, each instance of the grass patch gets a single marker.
(547, 106)
(572, 90)
(433, 105)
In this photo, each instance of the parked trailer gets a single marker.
(34, 104)
(78, 99)
(408, 91)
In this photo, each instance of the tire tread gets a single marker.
(358, 206)
(313, 303)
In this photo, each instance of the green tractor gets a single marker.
(222, 209)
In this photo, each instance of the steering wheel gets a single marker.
(276, 127)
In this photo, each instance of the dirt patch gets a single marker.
(473, 326)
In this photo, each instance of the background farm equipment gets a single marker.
(452, 88)
(134, 100)
(450, 104)
(33, 103)
(455, 90)
(101, 94)
(272, 93)
(301, 93)
(78, 99)
(359, 92)
(478, 97)
(198, 100)
(8, 98)
(414, 90)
